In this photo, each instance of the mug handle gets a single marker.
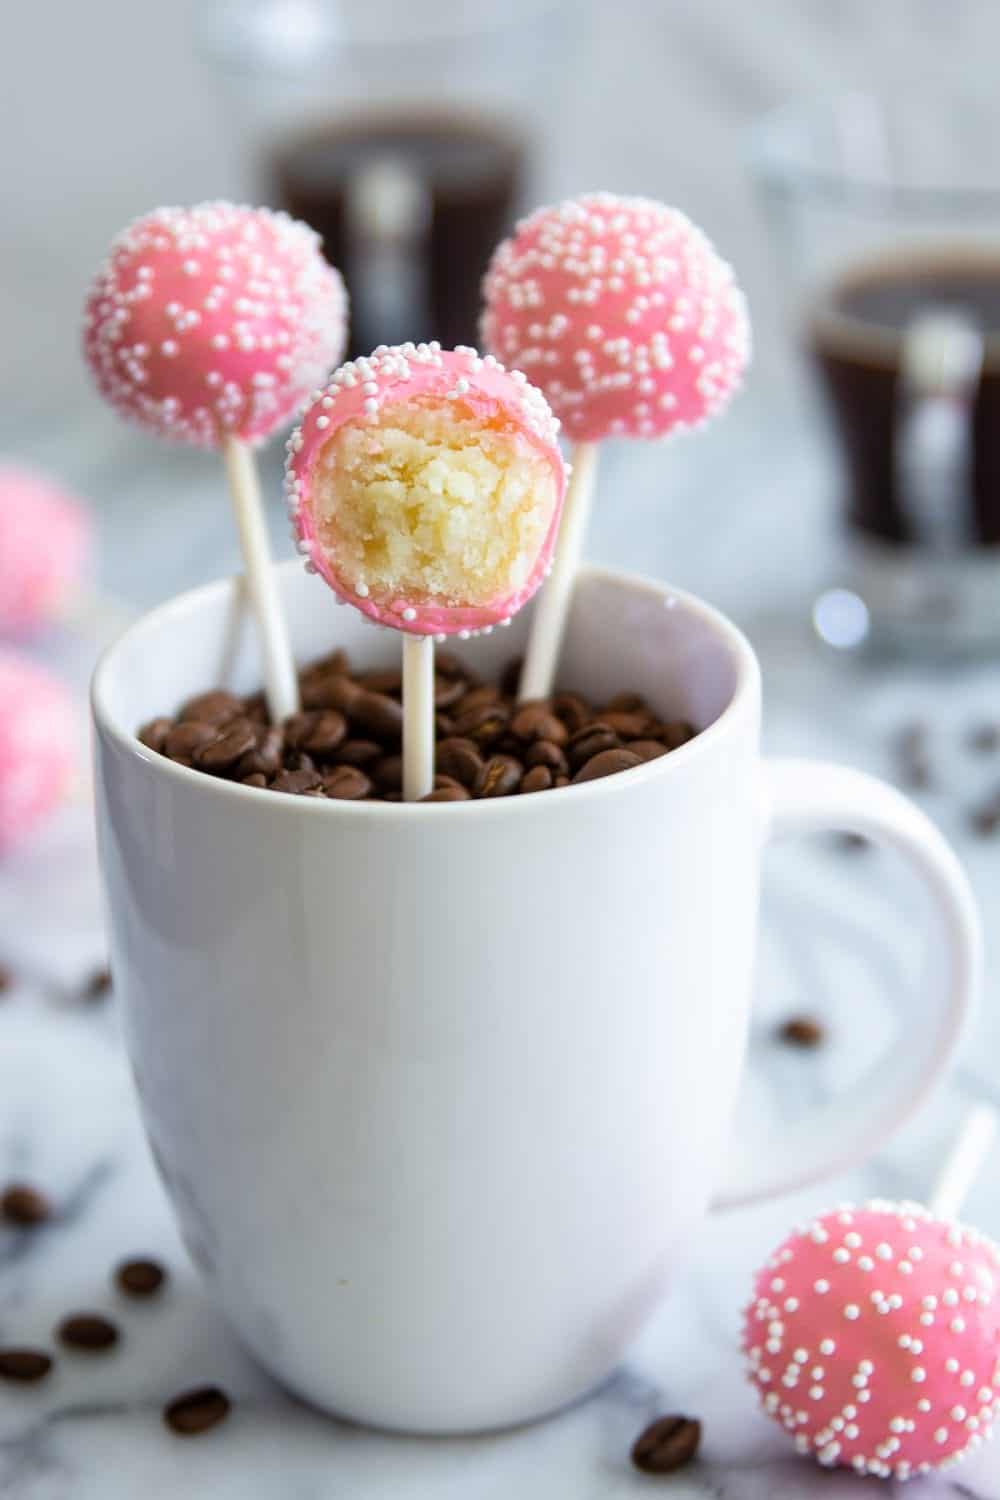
(800, 796)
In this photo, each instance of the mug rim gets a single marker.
(746, 688)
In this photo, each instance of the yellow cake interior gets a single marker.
(428, 503)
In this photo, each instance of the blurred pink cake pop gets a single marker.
(38, 736)
(622, 312)
(45, 537)
(873, 1337)
(425, 487)
(214, 321)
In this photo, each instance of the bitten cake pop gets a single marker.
(425, 487)
(210, 325)
(38, 743)
(873, 1338)
(45, 537)
(621, 311)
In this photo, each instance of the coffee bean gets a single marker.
(346, 784)
(501, 776)
(98, 985)
(154, 734)
(265, 757)
(626, 726)
(256, 779)
(667, 1444)
(194, 1412)
(453, 793)
(87, 1331)
(592, 740)
(256, 710)
(24, 1365)
(561, 781)
(484, 723)
(140, 1278)
(538, 779)
(333, 691)
(235, 740)
(510, 677)
(447, 664)
(447, 691)
(801, 1031)
(606, 763)
(326, 732)
(536, 721)
(985, 819)
(299, 760)
(388, 680)
(476, 697)
(334, 664)
(297, 781)
(216, 708)
(545, 753)
(387, 773)
(382, 717)
(461, 759)
(444, 725)
(983, 738)
(673, 735)
(574, 711)
(358, 753)
(646, 749)
(24, 1205)
(185, 739)
(626, 703)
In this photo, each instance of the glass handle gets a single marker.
(940, 369)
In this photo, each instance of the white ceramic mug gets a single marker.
(439, 1092)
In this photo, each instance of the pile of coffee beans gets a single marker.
(346, 742)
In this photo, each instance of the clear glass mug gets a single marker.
(407, 134)
(888, 220)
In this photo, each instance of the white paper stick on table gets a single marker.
(549, 622)
(964, 1162)
(418, 717)
(280, 682)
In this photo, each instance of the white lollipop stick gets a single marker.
(418, 717)
(280, 682)
(549, 623)
(964, 1161)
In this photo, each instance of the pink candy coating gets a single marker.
(45, 536)
(38, 737)
(622, 312)
(358, 392)
(214, 321)
(873, 1337)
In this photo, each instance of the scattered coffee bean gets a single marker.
(154, 734)
(346, 784)
(606, 763)
(99, 985)
(194, 1412)
(647, 749)
(88, 1331)
(984, 738)
(501, 776)
(802, 1031)
(537, 779)
(24, 1365)
(215, 708)
(24, 1205)
(140, 1278)
(667, 1444)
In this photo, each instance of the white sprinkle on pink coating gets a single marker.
(38, 746)
(622, 312)
(384, 405)
(214, 321)
(897, 1375)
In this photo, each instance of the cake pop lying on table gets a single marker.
(873, 1336)
(38, 741)
(425, 487)
(622, 313)
(211, 325)
(45, 543)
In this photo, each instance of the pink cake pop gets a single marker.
(44, 544)
(622, 312)
(874, 1337)
(425, 486)
(38, 736)
(213, 321)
